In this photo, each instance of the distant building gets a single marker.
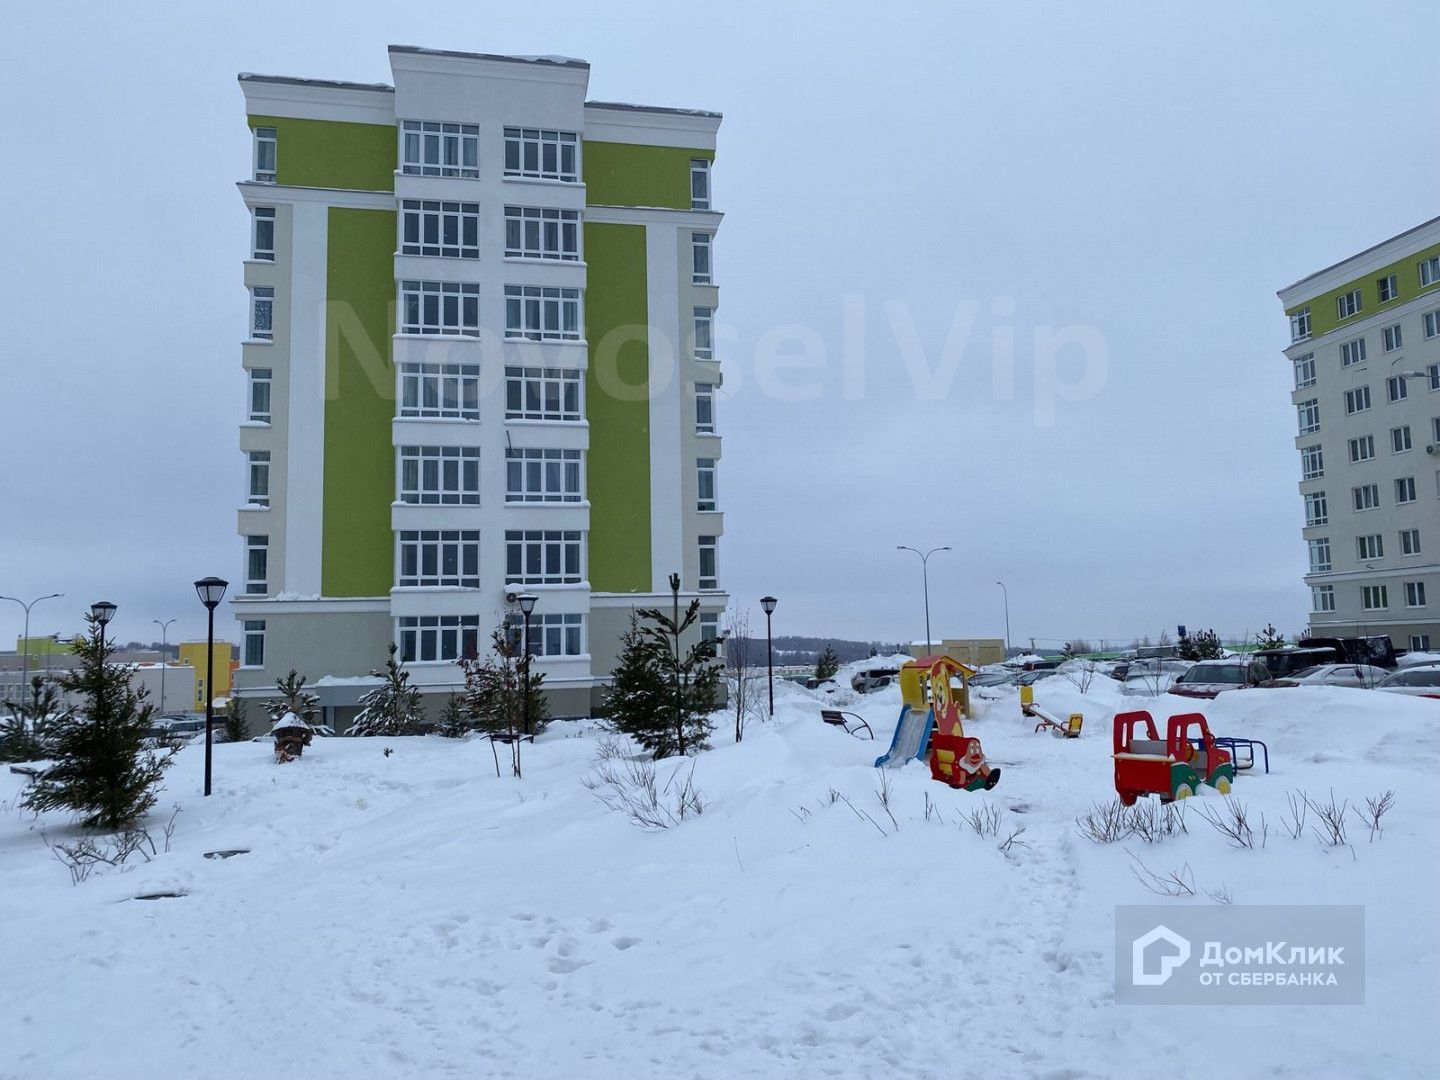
(973, 652)
(1365, 351)
(480, 362)
(193, 654)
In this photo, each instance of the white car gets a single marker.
(1415, 681)
(1336, 675)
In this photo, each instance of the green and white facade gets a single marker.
(1365, 350)
(480, 363)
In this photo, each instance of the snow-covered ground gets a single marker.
(415, 916)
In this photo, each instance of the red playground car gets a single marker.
(1172, 769)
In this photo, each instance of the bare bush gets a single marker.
(1294, 820)
(82, 857)
(984, 820)
(1220, 895)
(932, 810)
(864, 816)
(1081, 675)
(742, 684)
(1013, 840)
(632, 787)
(1155, 821)
(1375, 809)
(883, 794)
(1331, 830)
(1179, 882)
(1107, 823)
(1233, 823)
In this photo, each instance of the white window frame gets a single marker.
(705, 409)
(1392, 337)
(1365, 497)
(1419, 642)
(542, 232)
(702, 258)
(1348, 305)
(542, 154)
(1400, 442)
(265, 136)
(709, 552)
(437, 639)
(544, 475)
(261, 377)
(544, 557)
(556, 634)
(1317, 509)
(262, 219)
(542, 313)
(1434, 372)
(554, 395)
(449, 308)
(1404, 490)
(1429, 271)
(1304, 371)
(1357, 400)
(699, 184)
(252, 652)
(1396, 388)
(1409, 542)
(439, 475)
(440, 148)
(1300, 325)
(1431, 320)
(1387, 288)
(1374, 598)
(705, 477)
(703, 341)
(1308, 415)
(257, 565)
(440, 228)
(1352, 352)
(438, 559)
(1319, 548)
(258, 463)
(1312, 462)
(440, 391)
(1362, 448)
(1370, 547)
(710, 626)
(1322, 597)
(262, 313)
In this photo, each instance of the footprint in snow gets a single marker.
(564, 966)
(625, 942)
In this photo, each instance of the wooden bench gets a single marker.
(852, 723)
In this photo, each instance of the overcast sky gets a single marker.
(1138, 180)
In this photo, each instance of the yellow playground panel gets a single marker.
(929, 681)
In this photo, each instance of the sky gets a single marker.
(997, 277)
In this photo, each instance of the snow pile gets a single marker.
(439, 921)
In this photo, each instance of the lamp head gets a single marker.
(211, 591)
(526, 602)
(768, 604)
(102, 611)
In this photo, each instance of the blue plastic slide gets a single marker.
(912, 735)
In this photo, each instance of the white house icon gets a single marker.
(1169, 960)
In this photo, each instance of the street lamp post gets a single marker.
(1006, 593)
(211, 591)
(25, 678)
(527, 605)
(768, 604)
(164, 630)
(925, 576)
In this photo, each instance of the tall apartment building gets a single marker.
(480, 363)
(1365, 348)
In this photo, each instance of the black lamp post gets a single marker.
(768, 603)
(527, 605)
(211, 591)
(102, 611)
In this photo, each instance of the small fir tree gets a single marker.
(665, 696)
(454, 722)
(1270, 638)
(827, 664)
(1202, 645)
(236, 726)
(25, 723)
(495, 693)
(393, 707)
(103, 771)
(294, 698)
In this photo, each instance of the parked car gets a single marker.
(1285, 662)
(868, 679)
(1030, 678)
(993, 678)
(1414, 681)
(1335, 675)
(1211, 677)
(1377, 650)
(176, 730)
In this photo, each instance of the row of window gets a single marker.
(1353, 352)
(1350, 304)
(1367, 548)
(1372, 598)
(1357, 400)
(1364, 497)
(1361, 448)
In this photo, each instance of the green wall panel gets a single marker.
(617, 328)
(357, 556)
(624, 174)
(332, 153)
(1323, 316)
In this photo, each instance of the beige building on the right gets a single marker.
(1365, 350)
